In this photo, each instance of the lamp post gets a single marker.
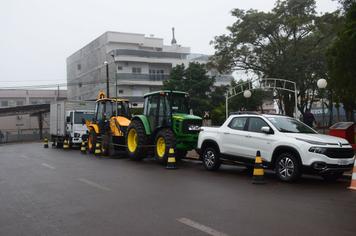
(322, 84)
(107, 78)
(113, 57)
(247, 95)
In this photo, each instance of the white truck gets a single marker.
(68, 121)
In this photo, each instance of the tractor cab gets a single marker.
(159, 108)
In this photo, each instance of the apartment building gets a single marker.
(26, 124)
(128, 64)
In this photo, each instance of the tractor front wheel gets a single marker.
(164, 140)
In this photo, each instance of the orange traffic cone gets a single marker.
(353, 180)
(258, 174)
(171, 162)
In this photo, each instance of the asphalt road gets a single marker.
(49, 191)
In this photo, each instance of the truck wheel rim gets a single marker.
(286, 167)
(209, 158)
(161, 147)
(132, 140)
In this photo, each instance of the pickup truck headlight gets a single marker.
(193, 127)
(317, 149)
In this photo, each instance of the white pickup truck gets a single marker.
(286, 145)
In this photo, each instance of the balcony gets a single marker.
(162, 77)
(156, 54)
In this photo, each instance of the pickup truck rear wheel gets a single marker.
(92, 140)
(287, 167)
(211, 159)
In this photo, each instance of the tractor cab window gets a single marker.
(180, 104)
(164, 115)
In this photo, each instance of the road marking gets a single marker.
(201, 227)
(25, 157)
(53, 168)
(94, 184)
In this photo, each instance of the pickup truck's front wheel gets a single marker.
(287, 167)
(211, 159)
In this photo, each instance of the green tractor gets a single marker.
(166, 123)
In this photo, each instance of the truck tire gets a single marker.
(164, 140)
(136, 141)
(287, 168)
(105, 145)
(211, 159)
(92, 140)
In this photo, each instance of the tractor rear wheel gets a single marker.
(164, 140)
(136, 141)
(92, 140)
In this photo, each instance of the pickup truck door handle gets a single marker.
(226, 133)
(248, 136)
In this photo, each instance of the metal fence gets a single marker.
(11, 137)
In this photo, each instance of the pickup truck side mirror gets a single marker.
(68, 119)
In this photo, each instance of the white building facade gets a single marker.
(135, 63)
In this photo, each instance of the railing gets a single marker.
(162, 77)
(155, 54)
(17, 136)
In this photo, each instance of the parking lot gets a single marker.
(49, 191)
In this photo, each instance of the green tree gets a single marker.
(287, 43)
(342, 64)
(200, 86)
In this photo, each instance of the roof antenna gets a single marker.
(174, 41)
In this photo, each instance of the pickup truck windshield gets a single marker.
(290, 125)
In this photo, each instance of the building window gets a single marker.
(47, 102)
(79, 66)
(121, 91)
(34, 102)
(19, 103)
(119, 68)
(137, 93)
(136, 70)
(4, 103)
(156, 75)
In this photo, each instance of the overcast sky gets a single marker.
(38, 35)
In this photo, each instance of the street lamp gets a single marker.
(247, 95)
(107, 78)
(113, 57)
(322, 84)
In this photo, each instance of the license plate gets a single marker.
(342, 162)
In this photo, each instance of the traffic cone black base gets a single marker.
(97, 150)
(46, 143)
(65, 145)
(171, 162)
(83, 149)
(258, 174)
